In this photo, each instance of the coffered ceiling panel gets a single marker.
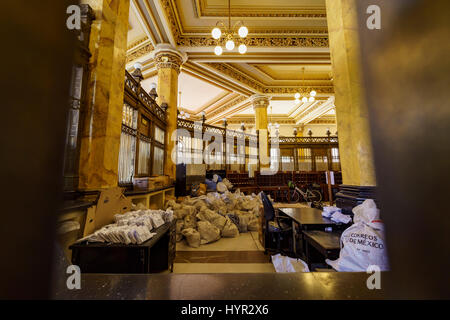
(295, 71)
(292, 16)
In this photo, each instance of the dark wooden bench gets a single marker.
(326, 246)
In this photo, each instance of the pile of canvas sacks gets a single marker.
(133, 227)
(207, 218)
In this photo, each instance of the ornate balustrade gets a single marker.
(135, 90)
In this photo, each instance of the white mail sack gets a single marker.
(286, 264)
(363, 243)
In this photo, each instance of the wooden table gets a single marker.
(308, 219)
(326, 243)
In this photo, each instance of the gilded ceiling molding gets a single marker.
(137, 42)
(139, 52)
(305, 42)
(226, 106)
(203, 41)
(170, 15)
(259, 87)
(293, 90)
(201, 11)
(323, 31)
(308, 111)
(239, 120)
(238, 76)
(323, 121)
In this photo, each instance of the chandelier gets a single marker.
(229, 35)
(271, 126)
(181, 114)
(306, 98)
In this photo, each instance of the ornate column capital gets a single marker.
(260, 101)
(166, 56)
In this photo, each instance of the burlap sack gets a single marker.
(192, 237)
(253, 225)
(190, 222)
(244, 219)
(180, 226)
(215, 219)
(208, 232)
(181, 213)
(172, 204)
(230, 230)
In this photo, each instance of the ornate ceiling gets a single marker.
(285, 38)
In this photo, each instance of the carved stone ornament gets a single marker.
(166, 56)
(260, 101)
(140, 52)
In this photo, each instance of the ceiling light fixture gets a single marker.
(306, 98)
(229, 35)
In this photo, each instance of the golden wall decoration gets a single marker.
(139, 52)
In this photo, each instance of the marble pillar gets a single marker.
(355, 147)
(168, 62)
(100, 138)
(300, 152)
(260, 104)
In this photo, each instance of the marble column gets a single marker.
(260, 104)
(100, 139)
(300, 152)
(168, 62)
(355, 147)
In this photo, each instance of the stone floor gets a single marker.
(242, 254)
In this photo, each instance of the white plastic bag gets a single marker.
(362, 244)
(157, 220)
(329, 210)
(286, 264)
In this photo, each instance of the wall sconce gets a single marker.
(164, 106)
(328, 133)
(242, 126)
(153, 94)
(225, 122)
(310, 132)
(137, 73)
(295, 132)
